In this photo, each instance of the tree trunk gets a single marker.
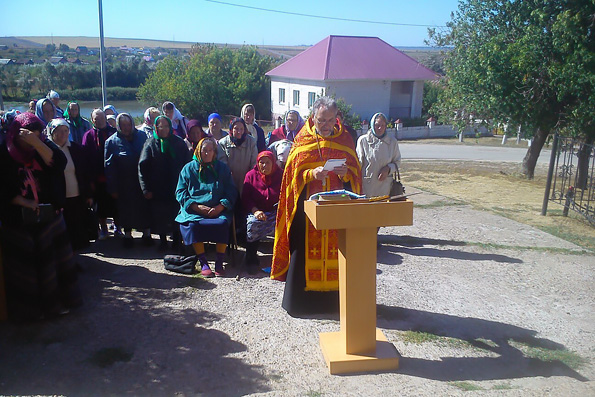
(533, 153)
(584, 157)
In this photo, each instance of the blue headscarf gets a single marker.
(39, 110)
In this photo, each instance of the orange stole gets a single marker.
(322, 245)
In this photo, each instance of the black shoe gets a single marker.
(127, 242)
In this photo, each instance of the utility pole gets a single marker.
(101, 55)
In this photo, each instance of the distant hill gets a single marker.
(20, 42)
(279, 51)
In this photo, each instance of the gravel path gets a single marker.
(470, 300)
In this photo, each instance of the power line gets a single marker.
(323, 17)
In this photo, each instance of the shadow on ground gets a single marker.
(491, 336)
(131, 337)
(417, 246)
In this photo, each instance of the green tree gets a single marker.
(525, 62)
(211, 79)
(63, 48)
(50, 48)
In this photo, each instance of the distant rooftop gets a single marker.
(353, 58)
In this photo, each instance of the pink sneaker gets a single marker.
(206, 271)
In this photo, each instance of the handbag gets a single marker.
(397, 188)
(180, 264)
(44, 215)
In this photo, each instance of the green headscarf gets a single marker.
(164, 142)
(77, 121)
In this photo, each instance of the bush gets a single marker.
(94, 94)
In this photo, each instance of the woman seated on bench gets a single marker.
(206, 194)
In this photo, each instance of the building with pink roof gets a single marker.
(368, 73)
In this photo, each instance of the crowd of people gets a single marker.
(64, 176)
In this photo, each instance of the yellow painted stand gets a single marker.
(359, 346)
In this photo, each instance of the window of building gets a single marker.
(281, 95)
(296, 98)
(311, 99)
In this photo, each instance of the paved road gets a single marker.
(413, 151)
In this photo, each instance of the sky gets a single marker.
(211, 21)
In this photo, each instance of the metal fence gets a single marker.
(571, 177)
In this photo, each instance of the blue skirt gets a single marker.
(206, 230)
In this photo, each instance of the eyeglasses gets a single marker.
(323, 122)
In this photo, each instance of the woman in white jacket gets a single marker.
(379, 156)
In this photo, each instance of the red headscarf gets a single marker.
(24, 120)
(267, 179)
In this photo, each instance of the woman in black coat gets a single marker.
(161, 160)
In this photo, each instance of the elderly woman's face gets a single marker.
(112, 121)
(60, 135)
(109, 111)
(207, 151)
(237, 130)
(265, 165)
(215, 124)
(195, 134)
(126, 126)
(380, 125)
(292, 121)
(249, 116)
(169, 113)
(98, 119)
(48, 111)
(162, 128)
(73, 110)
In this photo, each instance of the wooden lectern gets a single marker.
(358, 346)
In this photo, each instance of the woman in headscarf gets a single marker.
(111, 120)
(110, 110)
(77, 124)
(206, 194)
(177, 120)
(149, 121)
(379, 155)
(195, 134)
(293, 123)
(94, 141)
(215, 130)
(238, 151)
(161, 160)
(39, 269)
(45, 110)
(260, 196)
(249, 116)
(122, 153)
(76, 177)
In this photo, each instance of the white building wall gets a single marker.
(366, 97)
(304, 87)
(417, 98)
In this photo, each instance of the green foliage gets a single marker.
(63, 48)
(94, 94)
(527, 63)
(432, 91)
(211, 79)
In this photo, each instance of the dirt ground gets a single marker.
(472, 300)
